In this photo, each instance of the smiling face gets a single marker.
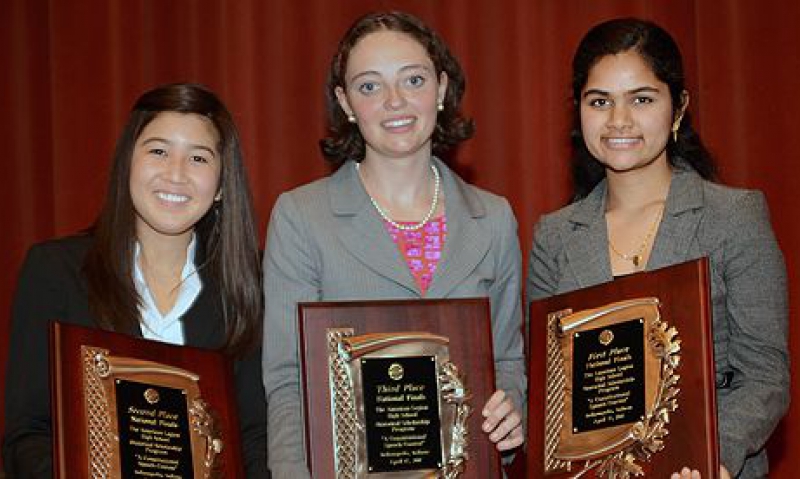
(627, 113)
(175, 174)
(392, 90)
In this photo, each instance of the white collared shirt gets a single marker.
(167, 328)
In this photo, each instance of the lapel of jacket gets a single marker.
(467, 241)
(586, 240)
(361, 229)
(203, 324)
(679, 225)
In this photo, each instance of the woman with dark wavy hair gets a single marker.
(172, 257)
(392, 222)
(644, 199)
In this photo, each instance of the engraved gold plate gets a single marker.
(612, 383)
(399, 405)
(153, 431)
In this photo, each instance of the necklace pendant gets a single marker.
(636, 258)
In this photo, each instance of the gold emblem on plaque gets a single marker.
(606, 337)
(151, 396)
(396, 371)
(615, 451)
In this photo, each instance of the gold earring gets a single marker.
(675, 127)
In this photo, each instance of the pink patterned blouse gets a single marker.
(421, 249)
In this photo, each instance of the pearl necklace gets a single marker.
(413, 227)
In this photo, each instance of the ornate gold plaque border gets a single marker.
(616, 451)
(100, 370)
(349, 438)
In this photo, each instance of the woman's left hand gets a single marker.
(686, 473)
(502, 422)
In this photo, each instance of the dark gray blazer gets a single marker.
(748, 289)
(327, 242)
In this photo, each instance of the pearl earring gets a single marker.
(351, 118)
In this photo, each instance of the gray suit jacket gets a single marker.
(748, 289)
(327, 242)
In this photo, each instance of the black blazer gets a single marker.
(51, 286)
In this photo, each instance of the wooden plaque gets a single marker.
(622, 378)
(128, 407)
(346, 345)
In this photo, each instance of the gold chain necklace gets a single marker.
(414, 227)
(637, 256)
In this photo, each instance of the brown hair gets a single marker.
(226, 234)
(344, 141)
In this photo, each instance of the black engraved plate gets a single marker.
(608, 376)
(401, 410)
(154, 438)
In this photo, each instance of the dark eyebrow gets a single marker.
(635, 91)
(192, 146)
(644, 89)
(595, 91)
